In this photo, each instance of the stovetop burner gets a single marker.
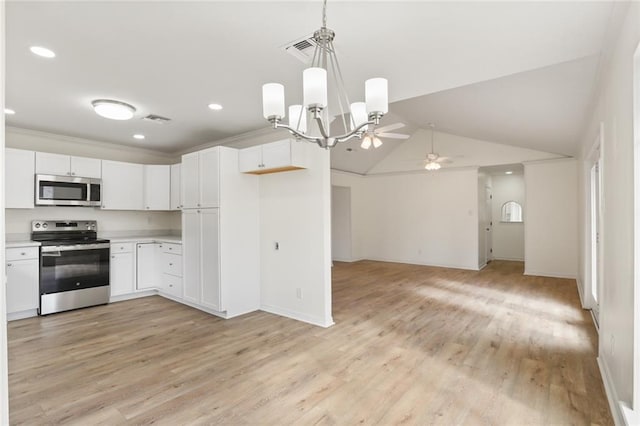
(59, 233)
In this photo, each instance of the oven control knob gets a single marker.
(37, 225)
(45, 226)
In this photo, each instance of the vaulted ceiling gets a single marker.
(516, 73)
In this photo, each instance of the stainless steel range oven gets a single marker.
(74, 265)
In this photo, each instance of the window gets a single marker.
(511, 212)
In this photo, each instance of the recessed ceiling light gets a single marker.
(9, 111)
(508, 173)
(42, 51)
(215, 107)
(115, 110)
(138, 136)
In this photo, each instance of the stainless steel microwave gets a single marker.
(67, 191)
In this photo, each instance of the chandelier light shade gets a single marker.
(364, 116)
(114, 110)
(273, 101)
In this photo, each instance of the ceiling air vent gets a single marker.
(156, 119)
(302, 48)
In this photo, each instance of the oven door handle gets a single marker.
(51, 253)
(75, 247)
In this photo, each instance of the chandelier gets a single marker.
(363, 117)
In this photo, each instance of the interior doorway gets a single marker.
(341, 223)
(595, 185)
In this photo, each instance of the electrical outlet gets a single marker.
(277, 245)
(299, 293)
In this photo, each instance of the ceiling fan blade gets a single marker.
(393, 126)
(444, 160)
(393, 135)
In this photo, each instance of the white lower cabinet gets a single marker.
(23, 274)
(147, 273)
(122, 269)
(171, 269)
(200, 239)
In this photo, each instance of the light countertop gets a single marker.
(148, 239)
(22, 243)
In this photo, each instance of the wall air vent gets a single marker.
(302, 48)
(156, 119)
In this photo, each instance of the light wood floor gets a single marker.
(411, 344)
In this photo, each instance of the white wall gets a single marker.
(484, 219)
(341, 223)
(4, 371)
(550, 218)
(613, 108)
(508, 238)
(295, 212)
(359, 224)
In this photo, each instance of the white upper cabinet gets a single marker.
(157, 181)
(200, 179)
(64, 165)
(274, 157)
(122, 186)
(175, 203)
(19, 172)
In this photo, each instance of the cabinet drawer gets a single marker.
(122, 248)
(22, 253)
(171, 248)
(172, 285)
(172, 264)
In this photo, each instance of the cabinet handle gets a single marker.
(113, 257)
(198, 205)
(170, 285)
(23, 254)
(9, 264)
(147, 207)
(73, 173)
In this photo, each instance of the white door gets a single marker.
(596, 248)
(53, 164)
(122, 186)
(209, 178)
(122, 273)
(276, 154)
(157, 182)
(191, 255)
(488, 200)
(210, 255)
(146, 269)
(174, 192)
(86, 167)
(250, 159)
(22, 285)
(190, 181)
(19, 182)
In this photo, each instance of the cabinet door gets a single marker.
(174, 203)
(122, 186)
(157, 181)
(147, 270)
(53, 164)
(250, 159)
(122, 273)
(19, 178)
(86, 167)
(189, 185)
(276, 154)
(22, 285)
(191, 255)
(209, 178)
(210, 269)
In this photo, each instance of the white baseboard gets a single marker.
(612, 396)
(130, 296)
(341, 259)
(437, 265)
(581, 293)
(300, 316)
(631, 417)
(549, 274)
(510, 259)
(29, 313)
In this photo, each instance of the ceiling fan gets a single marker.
(373, 137)
(433, 160)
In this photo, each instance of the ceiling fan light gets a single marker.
(377, 142)
(273, 100)
(114, 110)
(366, 142)
(432, 165)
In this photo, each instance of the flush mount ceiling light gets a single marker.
(215, 107)
(9, 111)
(315, 99)
(508, 173)
(42, 51)
(138, 136)
(114, 110)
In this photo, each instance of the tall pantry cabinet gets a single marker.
(220, 233)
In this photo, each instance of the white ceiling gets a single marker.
(473, 60)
